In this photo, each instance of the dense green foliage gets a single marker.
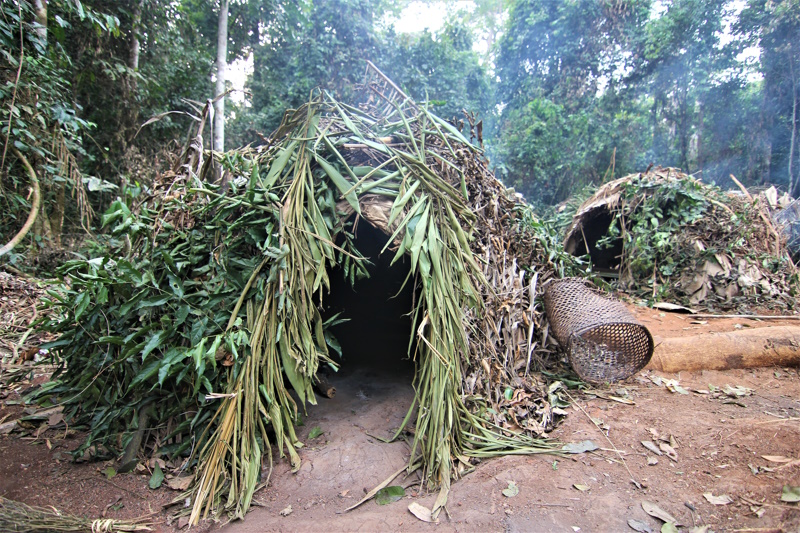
(568, 91)
(595, 85)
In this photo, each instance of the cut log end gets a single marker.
(325, 388)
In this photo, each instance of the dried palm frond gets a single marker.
(19, 517)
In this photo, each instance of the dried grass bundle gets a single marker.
(21, 518)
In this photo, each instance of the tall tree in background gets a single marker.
(40, 9)
(558, 65)
(676, 58)
(160, 57)
(221, 73)
(308, 45)
(774, 26)
(442, 69)
(487, 21)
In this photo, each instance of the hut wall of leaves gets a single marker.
(210, 290)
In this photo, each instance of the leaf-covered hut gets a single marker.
(669, 236)
(212, 289)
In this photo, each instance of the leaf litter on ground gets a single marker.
(511, 491)
(157, 478)
(580, 447)
(421, 512)
(657, 512)
(389, 495)
(790, 494)
(722, 499)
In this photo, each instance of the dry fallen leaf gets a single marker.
(669, 451)
(511, 491)
(666, 306)
(650, 445)
(55, 419)
(423, 513)
(582, 488)
(790, 494)
(777, 458)
(580, 447)
(723, 499)
(619, 399)
(638, 525)
(179, 483)
(657, 512)
(673, 386)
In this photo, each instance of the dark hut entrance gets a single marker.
(584, 240)
(377, 335)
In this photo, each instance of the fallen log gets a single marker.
(746, 348)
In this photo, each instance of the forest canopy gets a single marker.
(96, 94)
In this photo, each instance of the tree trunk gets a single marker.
(136, 22)
(40, 8)
(683, 127)
(793, 77)
(222, 67)
(747, 348)
(699, 147)
(41, 224)
(129, 118)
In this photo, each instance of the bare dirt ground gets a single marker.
(742, 442)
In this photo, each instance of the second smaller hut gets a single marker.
(668, 236)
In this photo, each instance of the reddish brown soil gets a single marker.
(720, 443)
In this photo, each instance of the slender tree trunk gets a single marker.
(763, 160)
(700, 137)
(40, 8)
(792, 183)
(136, 22)
(683, 128)
(222, 67)
(654, 124)
(42, 225)
(129, 118)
